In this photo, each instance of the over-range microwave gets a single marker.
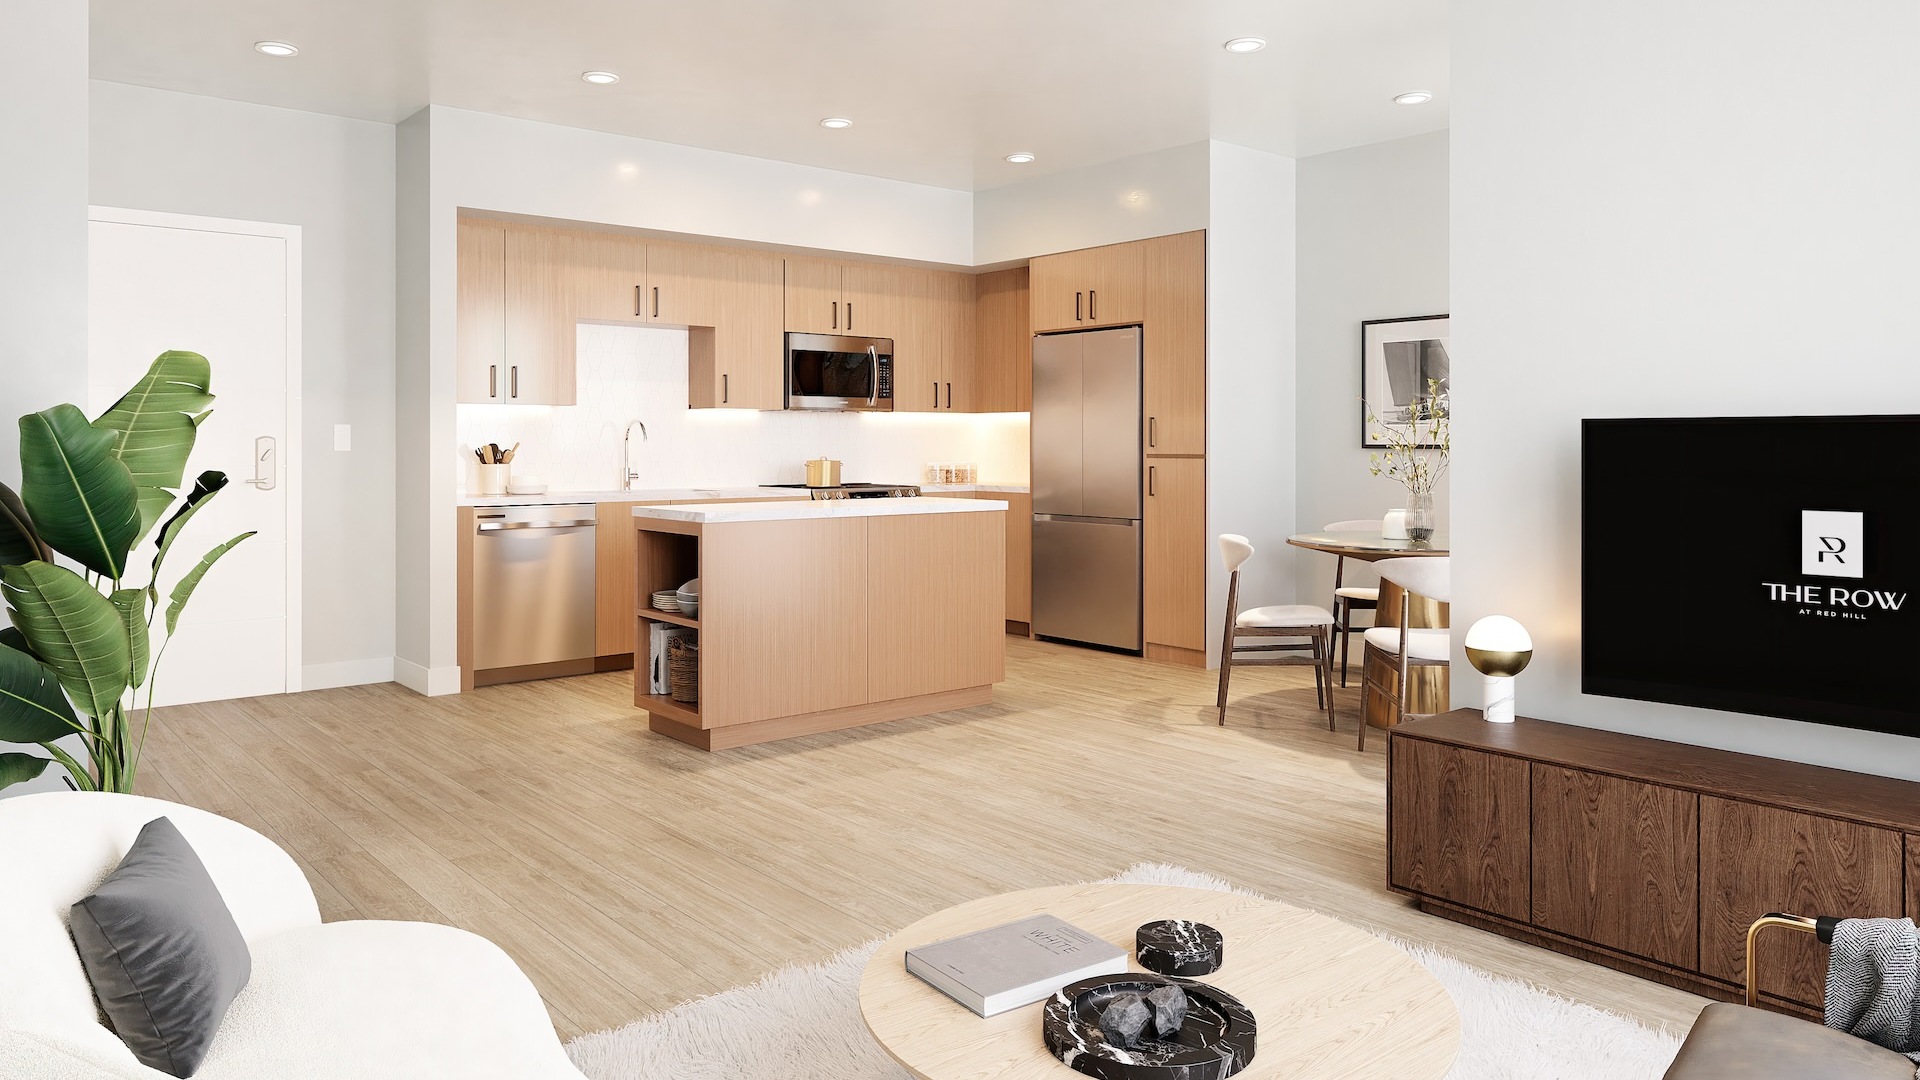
(841, 374)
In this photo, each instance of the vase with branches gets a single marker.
(78, 652)
(1416, 455)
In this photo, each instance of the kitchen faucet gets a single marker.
(626, 455)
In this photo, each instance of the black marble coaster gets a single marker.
(1216, 1037)
(1179, 947)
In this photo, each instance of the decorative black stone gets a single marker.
(1125, 1018)
(1169, 1009)
(1179, 947)
(1214, 1041)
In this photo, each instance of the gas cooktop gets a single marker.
(856, 491)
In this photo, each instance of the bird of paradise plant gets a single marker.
(77, 654)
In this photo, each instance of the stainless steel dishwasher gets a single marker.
(532, 585)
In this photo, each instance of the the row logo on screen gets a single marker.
(1833, 545)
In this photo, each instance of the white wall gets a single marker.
(640, 373)
(1372, 245)
(1661, 210)
(1133, 198)
(43, 212)
(1251, 391)
(159, 150)
(485, 162)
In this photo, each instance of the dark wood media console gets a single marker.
(1647, 856)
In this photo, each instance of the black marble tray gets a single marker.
(1216, 1041)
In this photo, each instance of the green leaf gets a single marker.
(73, 630)
(18, 542)
(184, 590)
(153, 427)
(205, 487)
(81, 498)
(19, 768)
(32, 708)
(12, 638)
(132, 605)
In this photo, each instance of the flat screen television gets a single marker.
(1763, 565)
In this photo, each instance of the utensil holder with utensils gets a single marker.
(493, 479)
(493, 467)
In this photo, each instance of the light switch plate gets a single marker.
(343, 436)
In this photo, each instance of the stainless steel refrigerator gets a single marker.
(1086, 487)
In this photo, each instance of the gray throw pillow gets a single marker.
(162, 950)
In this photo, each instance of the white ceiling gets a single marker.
(939, 91)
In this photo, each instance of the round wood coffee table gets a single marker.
(1331, 1000)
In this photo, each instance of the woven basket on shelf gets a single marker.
(683, 671)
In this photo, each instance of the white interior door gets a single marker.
(229, 291)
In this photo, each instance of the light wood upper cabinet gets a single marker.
(956, 342)
(731, 300)
(1002, 368)
(931, 316)
(608, 274)
(1174, 348)
(541, 318)
(1174, 564)
(482, 340)
(1103, 286)
(814, 297)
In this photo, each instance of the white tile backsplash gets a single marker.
(640, 373)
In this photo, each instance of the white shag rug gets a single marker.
(804, 1021)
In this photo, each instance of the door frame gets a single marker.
(292, 452)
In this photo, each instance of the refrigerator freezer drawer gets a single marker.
(1086, 581)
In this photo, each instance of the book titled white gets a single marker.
(1005, 967)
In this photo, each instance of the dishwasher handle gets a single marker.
(500, 526)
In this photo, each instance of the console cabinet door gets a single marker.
(1617, 862)
(1913, 875)
(1459, 826)
(1757, 859)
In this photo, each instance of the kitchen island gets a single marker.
(816, 616)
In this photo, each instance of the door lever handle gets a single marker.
(265, 470)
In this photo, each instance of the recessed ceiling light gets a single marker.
(1020, 158)
(600, 78)
(836, 122)
(1245, 44)
(1412, 97)
(275, 48)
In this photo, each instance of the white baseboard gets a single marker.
(431, 682)
(378, 669)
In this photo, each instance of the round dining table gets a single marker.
(1429, 688)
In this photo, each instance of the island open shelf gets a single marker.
(824, 615)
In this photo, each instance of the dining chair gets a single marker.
(1307, 626)
(1350, 598)
(1407, 647)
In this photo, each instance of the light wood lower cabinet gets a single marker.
(1617, 862)
(932, 627)
(1019, 553)
(1173, 565)
(615, 595)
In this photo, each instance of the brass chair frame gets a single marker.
(1770, 920)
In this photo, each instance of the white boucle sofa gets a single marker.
(339, 1001)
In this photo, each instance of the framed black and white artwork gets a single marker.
(1403, 373)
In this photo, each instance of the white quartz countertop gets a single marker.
(712, 513)
(710, 494)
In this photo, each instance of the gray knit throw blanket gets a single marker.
(1873, 982)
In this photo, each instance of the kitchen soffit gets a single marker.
(940, 92)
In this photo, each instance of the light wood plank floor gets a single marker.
(626, 872)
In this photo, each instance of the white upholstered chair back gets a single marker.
(56, 847)
(1235, 550)
(1429, 576)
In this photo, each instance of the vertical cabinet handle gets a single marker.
(1151, 440)
(638, 310)
(1076, 307)
(656, 301)
(949, 395)
(849, 314)
(1152, 474)
(936, 393)
(836, 315)
(723, 388)
(513, 381)
(1093, 304)
(493, 380)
